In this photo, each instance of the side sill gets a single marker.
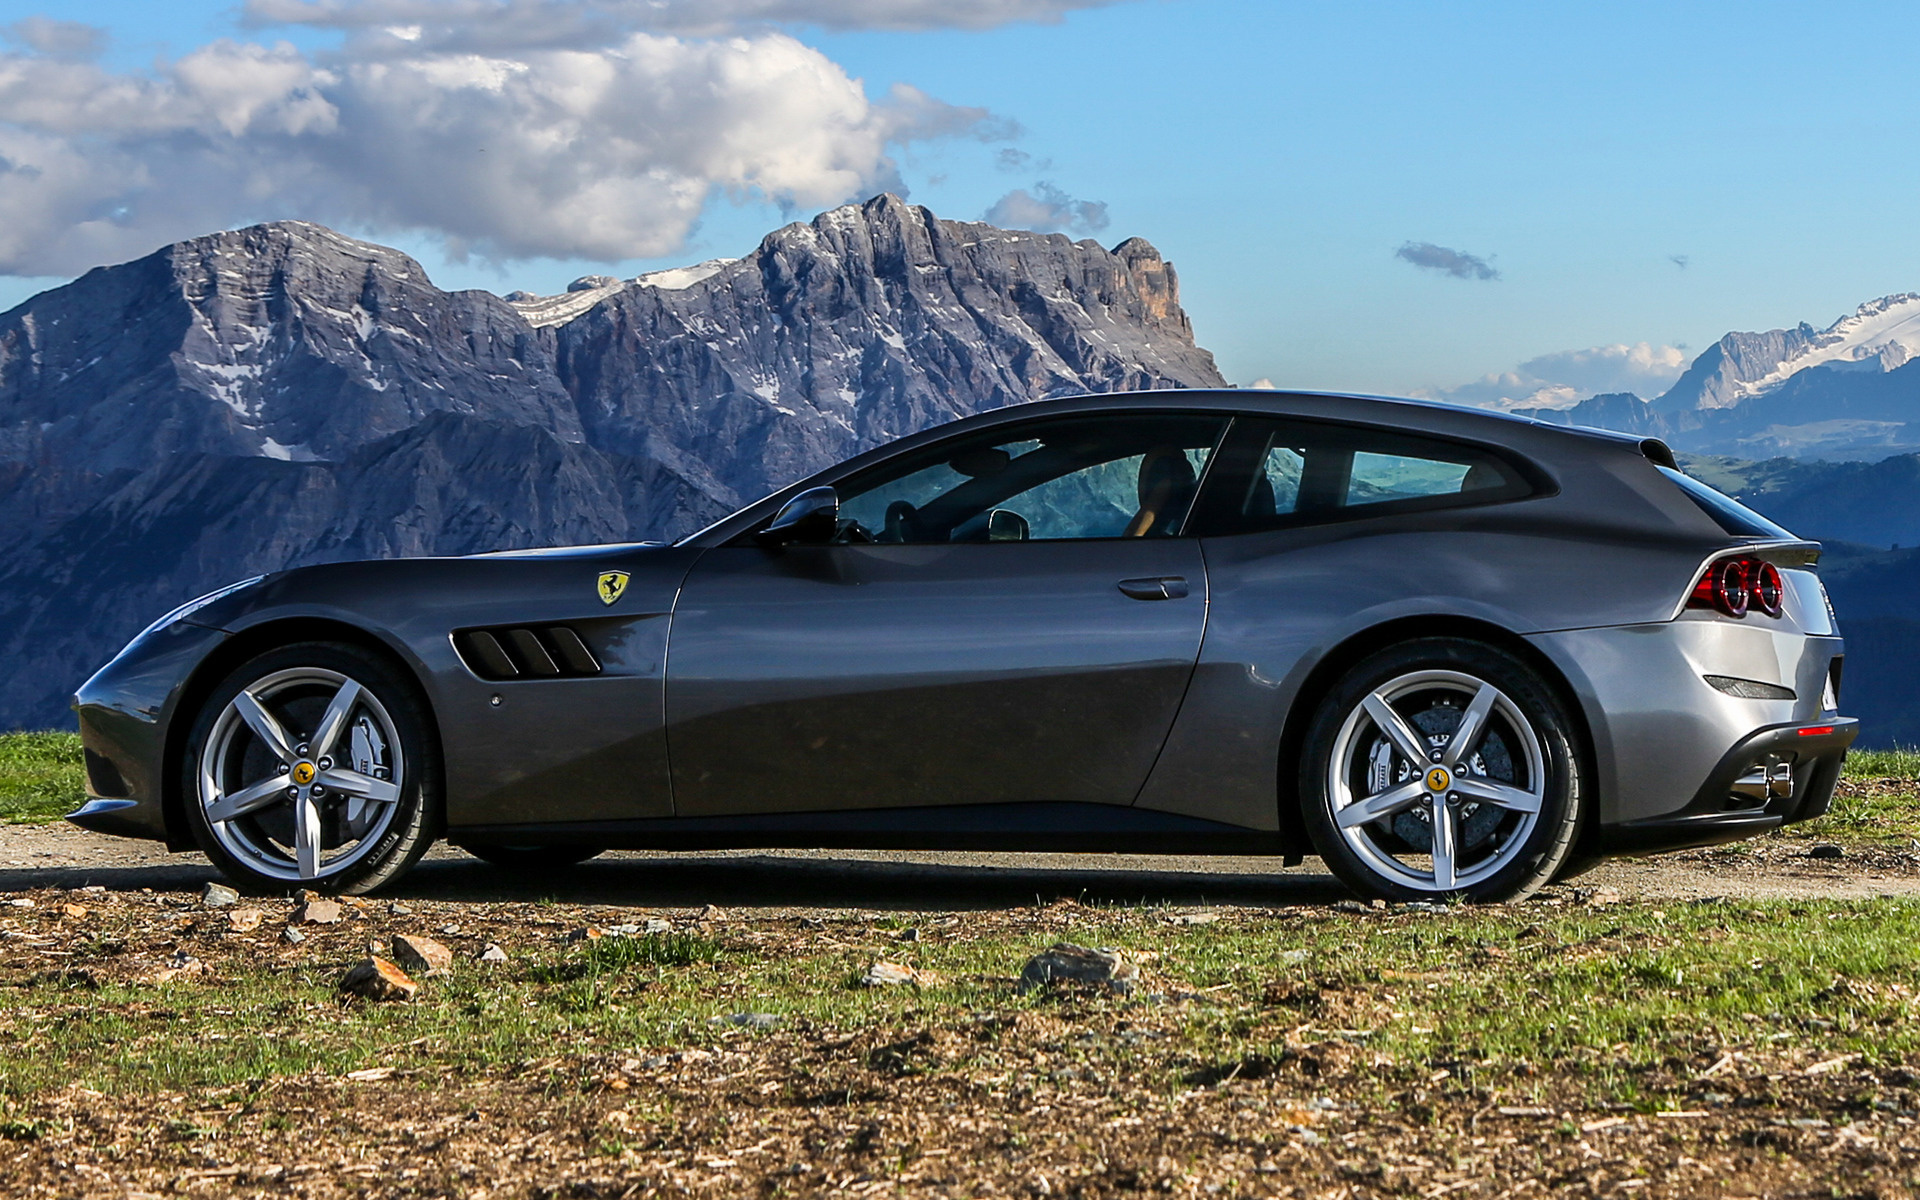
(1045, 827)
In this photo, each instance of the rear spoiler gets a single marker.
(1658, 453)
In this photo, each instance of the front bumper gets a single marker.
(1774, 776)
(124, 713)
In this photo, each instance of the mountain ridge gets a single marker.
(284, 394)
(1750, 394)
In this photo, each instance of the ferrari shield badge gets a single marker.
(612, 585)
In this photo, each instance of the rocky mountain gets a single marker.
(1849, 391)
(283, 395)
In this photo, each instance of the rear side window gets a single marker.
(1274, 474)
(1731, 515)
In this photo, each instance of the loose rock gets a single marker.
(317, 912)
(1826, 850)
(753, 1020)
(292, 936)
(244, 920)
(378, 979)
(586, 933)
(1066, 961)
(218, 895)
(1197, 918)
(421, 955)
(493, 954)
(889, 974)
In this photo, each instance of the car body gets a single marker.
(961, 669)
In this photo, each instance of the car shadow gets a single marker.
(775, 881)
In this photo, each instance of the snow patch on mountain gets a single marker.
(1880, 336)
(587, 291)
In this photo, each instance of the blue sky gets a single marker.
(1631, 173)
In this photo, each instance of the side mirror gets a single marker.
(812, 516)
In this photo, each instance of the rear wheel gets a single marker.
(313, 766)
(1442, 768)
(532, 858)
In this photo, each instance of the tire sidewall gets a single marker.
(415, 824)
(1551, 842)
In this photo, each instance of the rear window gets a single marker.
(1731, 515)
(1281, 473)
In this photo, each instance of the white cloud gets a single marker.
(494, 24)
(50, 35)
(1047, 209)
(607, 152)
(1565, 378)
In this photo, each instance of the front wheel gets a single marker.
(313, 765)
(1442, 768)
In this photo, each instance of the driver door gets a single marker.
(1011, 617)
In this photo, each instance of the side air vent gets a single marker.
(525, 652)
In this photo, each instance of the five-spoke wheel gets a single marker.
(307, 765)
(1442, 767)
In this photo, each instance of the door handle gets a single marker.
(1161, 587)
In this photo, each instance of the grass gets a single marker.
(1901, 762)
(42, 777)
(1596, 1002)
(1375, 1037)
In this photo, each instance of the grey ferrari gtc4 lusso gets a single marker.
(1452, 653)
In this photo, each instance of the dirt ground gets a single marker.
(1068, 1097)
(59, 855)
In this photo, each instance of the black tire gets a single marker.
(532, 859)
(1517, 852)
(252, 849)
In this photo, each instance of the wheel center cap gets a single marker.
(1439, 779)
(303, 773)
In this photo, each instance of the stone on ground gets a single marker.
(378, 979)
(421, 955)
(1064, 961)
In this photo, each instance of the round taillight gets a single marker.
(1730, 586)
(1764, 588)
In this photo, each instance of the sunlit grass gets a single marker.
(41, 777)
(1902, 762)
(1525, 999)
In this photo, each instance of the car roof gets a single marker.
(1431, 416)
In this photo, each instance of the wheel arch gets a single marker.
(1343, 656)
(243, 645)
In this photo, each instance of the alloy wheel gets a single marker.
(1436, 780)
(301, 774)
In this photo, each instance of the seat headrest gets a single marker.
(1164, 470)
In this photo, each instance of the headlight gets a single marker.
(193, 606)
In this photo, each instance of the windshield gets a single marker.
(1731, 515)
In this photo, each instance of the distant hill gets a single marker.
(1875, 504)
(1849, 391)
(281, 395)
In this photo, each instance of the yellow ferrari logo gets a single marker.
(612, 585)
(303, 773)
(1438, 779)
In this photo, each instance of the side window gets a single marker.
(1109, 476)
(1279, 473)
